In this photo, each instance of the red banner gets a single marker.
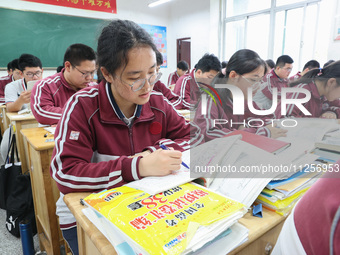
(94, 5)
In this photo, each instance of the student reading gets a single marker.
(49, 96)
(245, 69)
(324, 86)
(110, 134)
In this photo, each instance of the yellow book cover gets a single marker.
(166, 222)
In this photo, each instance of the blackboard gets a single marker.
(44, 35)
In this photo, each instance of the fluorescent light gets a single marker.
(158, 3)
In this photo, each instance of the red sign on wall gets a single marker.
(94, 5)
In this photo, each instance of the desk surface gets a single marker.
(35, 137)
(14, 116)
(257, 226)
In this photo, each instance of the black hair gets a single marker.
(15, 64)
(208, 62)
(224, 64)
(9, 66)
(116, 40)
(270, 63)
(282, 60)
(59, 68)
(244, 61)
(159, 58)
(311, 64)
(77, 53)
(183, 65)
(328, 63)
(28, 60)
(322, 74)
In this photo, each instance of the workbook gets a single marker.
(177, 221)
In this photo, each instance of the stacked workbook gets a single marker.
(181, 220)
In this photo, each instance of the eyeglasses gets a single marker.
(255, 84)
(287, 69)
(31, 75)
(85, 75)
(139, 84)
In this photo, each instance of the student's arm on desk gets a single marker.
(16, 106)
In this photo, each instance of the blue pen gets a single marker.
(166, 148)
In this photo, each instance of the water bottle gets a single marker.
(26, 237)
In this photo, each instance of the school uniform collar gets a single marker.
(24, 84)
(280, 79)
(107, 101)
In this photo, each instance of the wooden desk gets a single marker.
(263, 232)
(21, 122)
(44, 189)
(5, 121)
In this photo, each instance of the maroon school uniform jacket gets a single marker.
(93, 143)
(189, 91)
(315, 215)
(317, 104)
(173, 78)
(48, 98)
(171, 96)
(3, 82)
(227, 120)
(295, 77)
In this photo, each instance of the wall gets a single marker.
(334, 46)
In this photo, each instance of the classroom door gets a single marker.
(183, 50)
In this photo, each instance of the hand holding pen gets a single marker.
(166, 148)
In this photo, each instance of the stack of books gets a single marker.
(281, 195)
(180, 220)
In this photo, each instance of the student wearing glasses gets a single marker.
(17, 97)
(245, 70)
(50, 94)
(276, 78)
(110, 134)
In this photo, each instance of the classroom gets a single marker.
(170, 127)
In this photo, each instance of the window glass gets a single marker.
(237, 7)
(234, 38)
(285, 2)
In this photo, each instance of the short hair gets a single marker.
(183, 65)
(9, 65)
(328, 63)
(78, 52)
(59, 68)
(311, 64)
(159, 58)
(283, 60)
(224, 64)
(209, 62)
(270, 63)
(28, 60)
(117, 39)
(15, 64)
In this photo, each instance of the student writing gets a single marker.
(109, 134)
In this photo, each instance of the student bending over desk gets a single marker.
(51, 94)
(109, 134)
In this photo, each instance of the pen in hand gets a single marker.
(166, 148)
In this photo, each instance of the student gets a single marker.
(313, 227)
(270, 63)
(50, 94)
(188, 86)
(311, 64)
(245, 70)
(13, 74)
(17, 97)
(182, 68)
(17, 74)
(9, 68)
(328, 63)
(160, 87)
(276, 78)
(323, 84)
(109, 134)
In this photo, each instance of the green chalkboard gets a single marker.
(44, 35)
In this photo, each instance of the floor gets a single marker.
(9, 244)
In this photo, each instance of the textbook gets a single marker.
(268, 144)
(176, 221)
(330, 142)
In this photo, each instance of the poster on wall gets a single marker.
(93, 5)
(158, 35)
